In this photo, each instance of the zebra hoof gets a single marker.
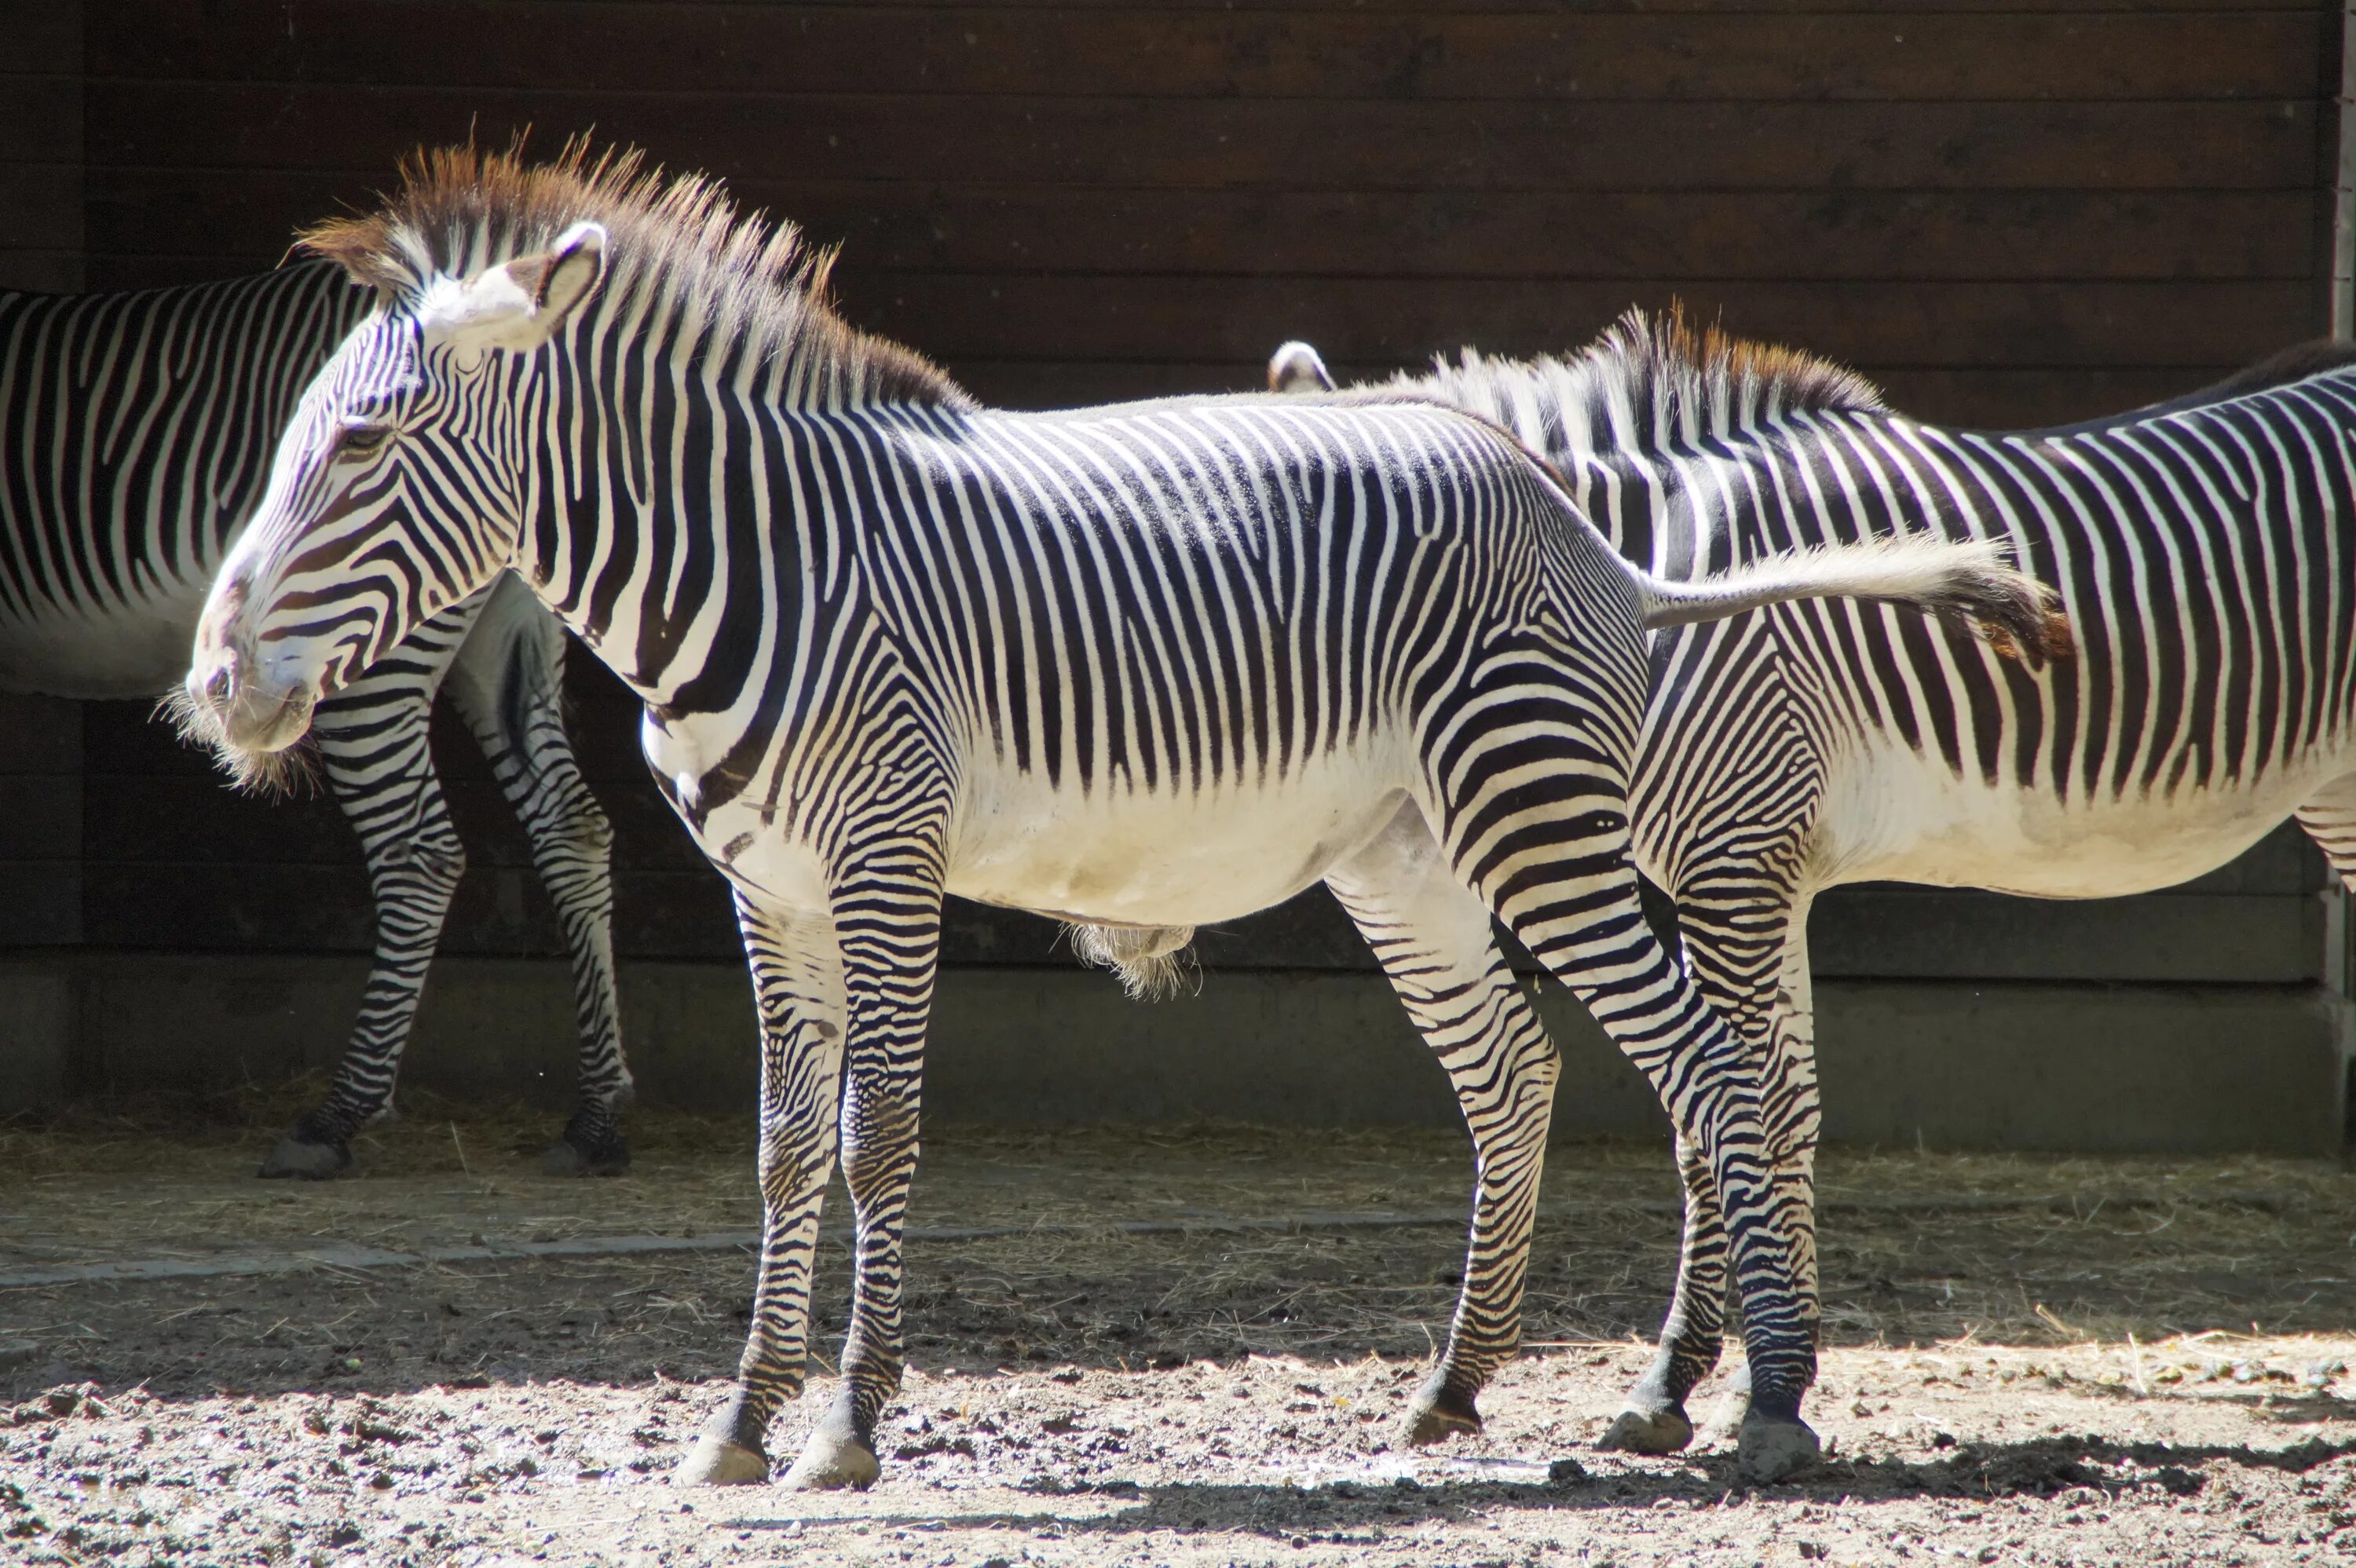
(1772, 1447)
(592, 1146)
(1438, 1412)
(717, 1461)
(1662, 1431)
(830, 1462)
(308, 1161)
(564, 1158)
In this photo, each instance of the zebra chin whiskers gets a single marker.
(1153, 963)
(274, 775)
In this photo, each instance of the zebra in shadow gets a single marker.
(1144, 665)
(2204, 551)
(136, 431)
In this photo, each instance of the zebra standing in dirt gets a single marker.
(135, 436)
(1141, 666)
(2202, 548)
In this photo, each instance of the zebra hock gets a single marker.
(1136, 667)
(135, 437)
(2201, 548)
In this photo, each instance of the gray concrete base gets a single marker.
(1952, 1065)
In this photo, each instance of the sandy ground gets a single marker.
(2031, 1361)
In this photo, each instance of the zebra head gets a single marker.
(397, 490)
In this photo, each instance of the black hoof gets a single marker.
(1438, 1412)
(587, 1148)
(307, 1157)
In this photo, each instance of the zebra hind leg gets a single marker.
(1433, 938)
(1549, 856)
(373, 748)
(507, 684)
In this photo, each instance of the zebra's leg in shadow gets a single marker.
(506, 683)
(373, 747)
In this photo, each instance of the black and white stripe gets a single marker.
(1142, 665)
(136, 431)
(2202, 549)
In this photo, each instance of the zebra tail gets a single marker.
(1965, 582)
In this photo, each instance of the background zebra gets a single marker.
(135, 434)
(1141, 666)
(2202, 549)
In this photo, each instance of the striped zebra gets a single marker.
(2204, 551)
(1137, 667)
(135, 434)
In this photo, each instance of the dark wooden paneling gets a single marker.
(726, 51)
(1278, 145)
(2008, 217)
(958, 317)
(40, 119)
(1631, 236)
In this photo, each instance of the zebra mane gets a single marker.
(678, 239)
(1650, 382)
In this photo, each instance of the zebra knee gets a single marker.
(428, 864)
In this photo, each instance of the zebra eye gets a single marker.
(362, 440)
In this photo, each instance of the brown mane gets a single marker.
(460, 210)
(1667, 356)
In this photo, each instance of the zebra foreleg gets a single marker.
(887, 915)
(1433, 938)
(797, 989)
(373, 747)
(1653, 1419)
(506, 683)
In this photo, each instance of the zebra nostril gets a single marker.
(217, 685)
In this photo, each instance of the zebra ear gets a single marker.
(518, 306)
(1298, 368)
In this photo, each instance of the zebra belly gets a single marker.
(1124, 857)
(134, 650)
(1897, 815)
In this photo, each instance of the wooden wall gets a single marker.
(2010, 217)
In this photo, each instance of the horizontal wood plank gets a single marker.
(731, 51)
(43, 205)
(41, 120)
(959, 316)
(1635, 236)
(1226, 143)
(42, 37)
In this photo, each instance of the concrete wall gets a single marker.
(1955, 1065)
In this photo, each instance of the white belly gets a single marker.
(1112, 858)
(133, 651)
(1121, 859)
(1895, 816)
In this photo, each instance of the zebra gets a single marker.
(2200, 547)
(136, 433)
(1137, 667)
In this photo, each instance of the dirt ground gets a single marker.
(449, 1359)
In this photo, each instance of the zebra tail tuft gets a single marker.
(1967, 583)
(274, 775)
(1153, 962)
